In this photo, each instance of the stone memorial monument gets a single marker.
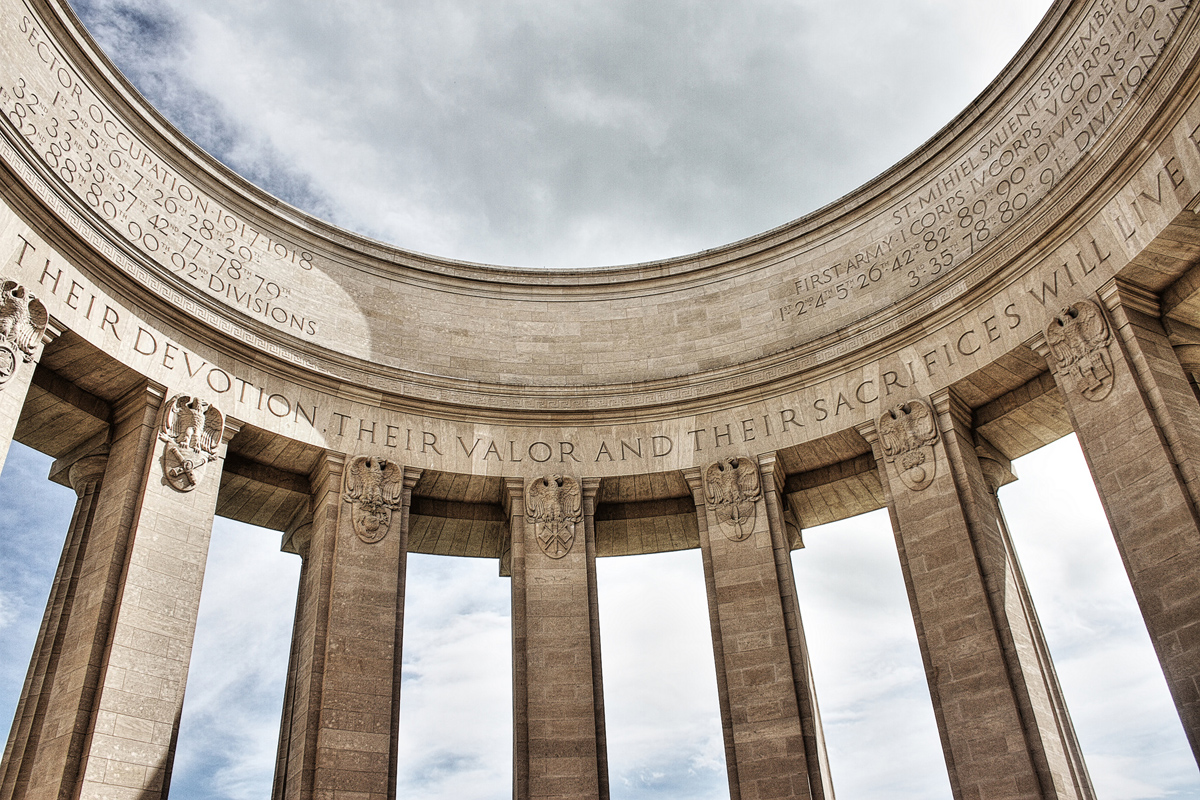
(186, 346)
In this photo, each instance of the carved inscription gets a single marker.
(932, 231)
(23, 320)
(908, 432)
(374, 487)
(1078, 338)
(192, 429)
(132, 189)
(554, 506)
(731, 488)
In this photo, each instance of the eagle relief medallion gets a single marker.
(731, 488)
(374, 487)
(1078, 338)
(908, 432)
(554, 506)
(192, 429)
(23, 320)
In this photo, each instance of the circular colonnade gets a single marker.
(185, 346)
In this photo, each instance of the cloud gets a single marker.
(566, 133)
(32, 529)
(662, 712)
(456, 694)
(229, 731)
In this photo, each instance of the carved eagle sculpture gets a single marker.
(731, 487)
(374, 486)
(907, 433)
(23, 318)
(192, 430)
(374, 482)
(195, 424)
(554, 505)
(905, 430)
(1077, 337)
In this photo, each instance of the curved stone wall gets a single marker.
(898, 347)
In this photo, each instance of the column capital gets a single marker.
(694, 481)
(1037, 343)
(232, 427)
(54, 329)
(514, 496)
(869, 430)
(146, 397)
(590, 487)
(87, 472)
(1117, 294)
(997, 468)
(771, 470)
(95, 445)
(297, 537)
(327, 473)
(947, 402)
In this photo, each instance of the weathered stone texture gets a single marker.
(996, 700)
(773, 742)
(341, 709)
(1141, 444)
(558, 714)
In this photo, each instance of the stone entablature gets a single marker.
(912, 247)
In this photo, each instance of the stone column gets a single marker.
(1138, 423)
(106, 715)
(85, 477)
(558, 708)
(342, 711)
(774, 747)
(1046, 700)
(28, 330)
(296, 542)
(992, 688)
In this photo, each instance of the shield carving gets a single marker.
(192, 429)
(374, 488)
(1078, 338)
(732, 488)
(554, 506)
(908, 433)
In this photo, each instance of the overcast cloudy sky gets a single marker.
(576, 133)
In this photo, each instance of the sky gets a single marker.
(568, 134)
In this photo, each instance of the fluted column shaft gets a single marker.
(85, 476)
(106, 717)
